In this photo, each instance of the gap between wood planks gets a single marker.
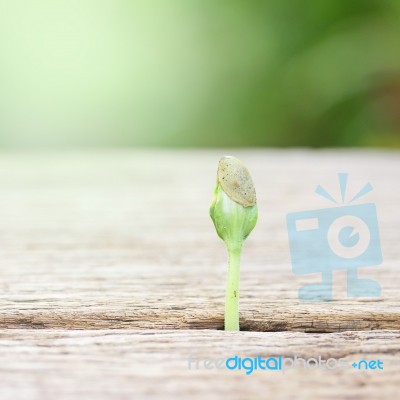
(323, 318)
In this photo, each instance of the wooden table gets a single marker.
(112, 277)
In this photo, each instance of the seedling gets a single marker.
(234, 213)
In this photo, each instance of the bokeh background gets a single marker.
(193, 73)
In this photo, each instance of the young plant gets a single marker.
(234, 213)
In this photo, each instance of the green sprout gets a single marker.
(234, 213)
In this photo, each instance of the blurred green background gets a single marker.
(199, 73)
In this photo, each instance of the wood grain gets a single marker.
(126, 364)
(119, 245)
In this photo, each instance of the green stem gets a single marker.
(232, 291)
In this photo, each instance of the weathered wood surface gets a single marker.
(127, 364)
(122, 240)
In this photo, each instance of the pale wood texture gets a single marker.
(126, 364)
(119, 244)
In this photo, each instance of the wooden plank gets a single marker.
(153, 364)
(124, 240)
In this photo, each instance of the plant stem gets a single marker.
(232, 291)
